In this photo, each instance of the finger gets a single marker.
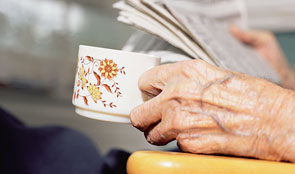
(152, 82)
(225, 119)
(174, 121)
(208, 143)
(177, 120)
(171, 125)
(147, 113)
(248, 37)
(223, 143)
(160, 134)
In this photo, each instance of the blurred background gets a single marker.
(38, 51)
(39, 42)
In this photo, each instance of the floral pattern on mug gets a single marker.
(94, 92)
(104, 71)
(82, 80)
(108, 68)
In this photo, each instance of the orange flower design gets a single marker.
(108, 68)
(105, 72)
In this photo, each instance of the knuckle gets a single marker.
(174, 116)
(198, 62)
(172, 105)
(183, 64)
(183, 145)
(157, 137)
(153, 136)
(188, 72)
(135, 121)
(176, 122)
(186, 145)
(142, 82)
(176, 92)
(186, 65)
(167, 94)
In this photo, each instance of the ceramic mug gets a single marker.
(106, 82)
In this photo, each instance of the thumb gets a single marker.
(253, 38)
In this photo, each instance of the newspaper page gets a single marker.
(159, 7)
(229, 11)
(142, 42)
(181, 40)
(217, 41)
(146, 23)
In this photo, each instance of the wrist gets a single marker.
(276, 109)
(282, 130)
(287, 115)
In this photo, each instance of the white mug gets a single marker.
(106, 82)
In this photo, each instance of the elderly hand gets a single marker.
(266, 45)
(211, 110)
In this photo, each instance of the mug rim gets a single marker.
(99, 111)
(121, 51)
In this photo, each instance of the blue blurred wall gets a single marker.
(287, 42)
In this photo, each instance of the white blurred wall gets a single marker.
(40, 38)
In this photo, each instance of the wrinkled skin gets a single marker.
(212, 110)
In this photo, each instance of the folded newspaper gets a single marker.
(192, 29)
